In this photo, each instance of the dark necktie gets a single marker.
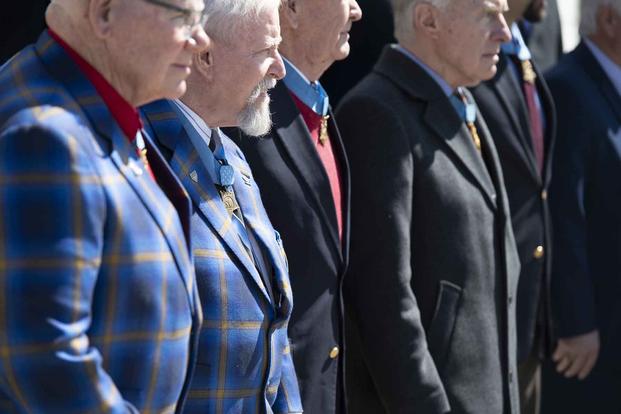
(529, 89)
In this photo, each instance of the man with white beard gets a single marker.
(244, 362)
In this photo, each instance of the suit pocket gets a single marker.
(443, 322)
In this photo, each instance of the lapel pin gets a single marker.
(194, 176)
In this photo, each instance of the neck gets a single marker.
(425, 51)
(300, 58)
(607, 46)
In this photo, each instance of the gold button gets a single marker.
(544, 194)
(334, 352)
(538, 253)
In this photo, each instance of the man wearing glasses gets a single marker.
(98, 304)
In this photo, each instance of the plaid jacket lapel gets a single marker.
(187, 164)
(122, 152)
(249, 199)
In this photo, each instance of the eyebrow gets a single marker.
(273, 41)
(491, 6)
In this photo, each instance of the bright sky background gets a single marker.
(569, 13)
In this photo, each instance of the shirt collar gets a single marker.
(195, 120)
(122, 111)
(516, 46)
(310, 93)
(446, 88)
(612, 70)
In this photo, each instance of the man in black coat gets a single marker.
(585, 201)
(303, 175)
(520, 115)
(433, 263)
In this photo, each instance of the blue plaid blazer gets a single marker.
(98, 302)
(244, 361)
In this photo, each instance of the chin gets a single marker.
(177, 91)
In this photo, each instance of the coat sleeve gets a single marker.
(572, 286)
(288, 399)
(378, 283)
(52, 213)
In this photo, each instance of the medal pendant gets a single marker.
(323, 130)
(475, 136)
(228, 198)
(528, 72)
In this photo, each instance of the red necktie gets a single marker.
(536, 124)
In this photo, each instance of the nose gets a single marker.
(199, 41)
(502, 33)
(355, 12)
(277, 70)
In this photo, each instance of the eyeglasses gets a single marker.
(190, 18)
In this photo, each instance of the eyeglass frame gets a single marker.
(191, 17)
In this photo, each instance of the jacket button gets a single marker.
(510, 377)
(544, 194)
(334, 352)
(538, 253)
(510, 299)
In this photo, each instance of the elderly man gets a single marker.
(433, 264)
(585, 201)
(98, 305)
(244, 362)
(519, 111)
(304, 178)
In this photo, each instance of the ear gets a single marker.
(203, 63)
(608, 20)
(425, 19)
(100, 14)
(290, 13)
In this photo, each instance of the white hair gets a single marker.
(588, 14)
(255, 119)
(402, 14)
(225, 18)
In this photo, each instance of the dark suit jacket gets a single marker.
(297, 196)
(503, 106)
(585, 200)
(433, 264)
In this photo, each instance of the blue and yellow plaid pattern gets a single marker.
(244, 362)
(98, 303)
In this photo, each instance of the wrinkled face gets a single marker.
(470, 39)
(152, 48)
(245, 68)
(324, 27)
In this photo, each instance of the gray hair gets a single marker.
(588, 14)
(226, 17)
(402, 14)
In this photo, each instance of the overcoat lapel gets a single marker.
(122, 153)
(295, 138)
(440, 116)
(187, 165)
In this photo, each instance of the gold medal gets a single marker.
(528, 72)
(228, 198)
(323, 130)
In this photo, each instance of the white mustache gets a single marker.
(265, 85)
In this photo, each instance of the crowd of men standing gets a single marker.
(186, 225)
